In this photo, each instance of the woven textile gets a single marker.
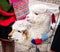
(20, 7)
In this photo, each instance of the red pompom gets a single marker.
(38, 41)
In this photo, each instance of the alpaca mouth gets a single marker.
(31, 22)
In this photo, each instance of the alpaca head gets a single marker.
(39, 19)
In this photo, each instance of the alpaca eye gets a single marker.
(36, 13)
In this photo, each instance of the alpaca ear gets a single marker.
(53, 21)
(52, 15)
(48, 12)
(53, 18)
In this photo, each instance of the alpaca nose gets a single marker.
(28, 19)
(27, 16)
(36, 41)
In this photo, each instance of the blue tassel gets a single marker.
(33, 41)
(44, 37)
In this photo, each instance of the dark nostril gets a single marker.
(27, 16)
(28, 20)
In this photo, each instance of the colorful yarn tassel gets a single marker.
(44, 37)
(36, 41)
(15, 0)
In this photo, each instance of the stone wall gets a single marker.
(51, 1)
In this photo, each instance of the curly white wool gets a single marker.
(39, 22)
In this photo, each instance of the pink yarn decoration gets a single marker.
(15, 0)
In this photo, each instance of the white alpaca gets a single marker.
(37, 23)
(40, 20)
